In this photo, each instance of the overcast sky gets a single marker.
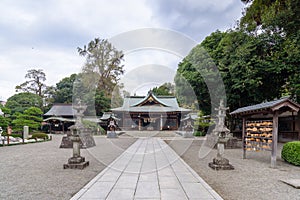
(45, 34)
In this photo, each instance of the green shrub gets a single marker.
(291, 152)
(95, 128)
(13, 135)
(39, 135)
(199, 133)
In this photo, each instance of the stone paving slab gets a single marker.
(148, 169)
(293, 182)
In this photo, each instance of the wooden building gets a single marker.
(267, 123)
(59, 118)
(150, 113)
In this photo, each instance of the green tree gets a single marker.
(35, 84)
(202, 123)
(31, 117)
(103, 63)
(64, 90)
(5, 119)
(277, 16)
(166, 89)
(22, 101)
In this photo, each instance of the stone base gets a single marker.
(76, 163)
(111, 134)
(188, 134)
(87, 141)
(220, 164)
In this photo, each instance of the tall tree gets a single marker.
(35, 84)
(63, 91)
(105, 60)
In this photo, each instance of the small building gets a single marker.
(60, 117)
(288, 116)
(150, 113)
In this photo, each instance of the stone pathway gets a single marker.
(149, 169)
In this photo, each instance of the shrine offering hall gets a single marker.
(150, 113)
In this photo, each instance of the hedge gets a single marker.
(39, 135)
(291, 152)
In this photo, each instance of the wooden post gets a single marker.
(161, 122)
(243, 137)
(140, 124)
(274, 139)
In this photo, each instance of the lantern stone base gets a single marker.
(111, 134)
(188, 134)
(220, 164)
(76, 163)
(86, 141)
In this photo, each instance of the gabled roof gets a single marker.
(143, 104)
(107, 115)
(150, 99)
(268, 106)
(61, 110)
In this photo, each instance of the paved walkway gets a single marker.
(149, 169)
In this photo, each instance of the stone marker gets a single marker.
(25, 132)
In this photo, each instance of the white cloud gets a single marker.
(45, 34)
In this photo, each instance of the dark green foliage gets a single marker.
(4, 122)
(32, 117)
(15, 135)
(199, 133)
(64, 90)
(22, 101)
(201, 124)
(39, 135)
(291, 152)
(166, 89)
(94, 127)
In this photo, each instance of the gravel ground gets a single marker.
(252, 178)
(35, 171)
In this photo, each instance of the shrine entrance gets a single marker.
(150, 113)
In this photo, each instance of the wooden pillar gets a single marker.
(140, 123)
(274, 139)
(63, 127)
(243, 137)
(161, 122)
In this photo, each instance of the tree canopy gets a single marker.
(22, 101)
(35, 84)
(63, 91)
(258, 61)
(104, 60)
(31, 117)
(166, 89)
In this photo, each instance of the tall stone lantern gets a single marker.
(223, 134)
(77, 161)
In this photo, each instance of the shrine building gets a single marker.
(150, 113)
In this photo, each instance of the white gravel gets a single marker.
(35, 171)
(252, 178)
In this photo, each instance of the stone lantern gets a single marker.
(77, 161)
(223, 134)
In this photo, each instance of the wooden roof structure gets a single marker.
(283, 104)
(274, 108)
(150, 104)
(61, 110)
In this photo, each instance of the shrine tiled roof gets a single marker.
(263, 106)
(139, 104)
(61, 110)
